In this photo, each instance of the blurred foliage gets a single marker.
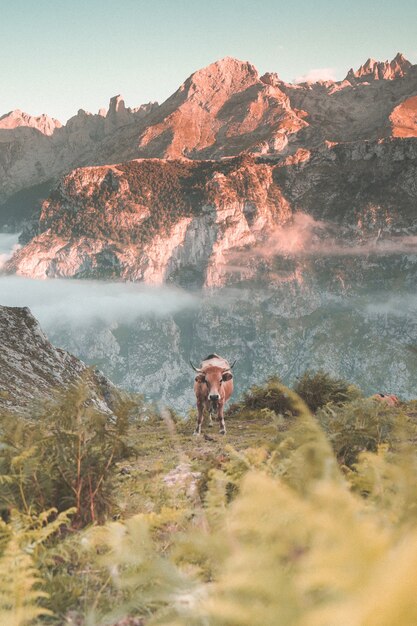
(319, 388)
(22, 542)
(364, 425)
(291, 520)
(271, 396)
(295, 544)
(63, 457)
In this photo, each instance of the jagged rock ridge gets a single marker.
(221, 110)
(380, 70)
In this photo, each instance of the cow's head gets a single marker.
(213, 377)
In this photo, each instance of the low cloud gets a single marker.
(400, 305)
(79, 302)
(8, 246)
(304, 237)
(290, 239)
(316, 74)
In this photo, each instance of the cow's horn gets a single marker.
(233, 364)
(196, 368)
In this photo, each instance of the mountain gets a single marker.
(37, 150)
(32, 370)
(15, 119)
(195, 222)
(290, 208)
(153, 220)
(380, 70)
(219, 111)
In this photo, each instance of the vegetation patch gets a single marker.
(292, 518)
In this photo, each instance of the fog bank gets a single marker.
(9, 243)
(80, 302)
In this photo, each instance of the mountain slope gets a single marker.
(153, 220)
(32, 370)
(195, 223)
(220, 110)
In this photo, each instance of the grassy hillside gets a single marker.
(292, 518)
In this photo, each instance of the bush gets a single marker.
(268, 397)
(363, 426)
(319, 388)
(63, 459)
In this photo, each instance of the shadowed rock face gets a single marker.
(32, 370)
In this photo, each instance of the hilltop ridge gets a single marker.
(220, 110)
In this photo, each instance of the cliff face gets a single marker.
(153, 221)
(221, 110)
(32, 370)
(191, 222)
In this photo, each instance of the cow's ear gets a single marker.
(227, 376)
(200, 378)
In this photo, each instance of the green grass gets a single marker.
(163, 445)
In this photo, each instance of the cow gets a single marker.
(213, 387)
(388, 398)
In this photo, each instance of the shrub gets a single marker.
(22, 540)
(63, 459)
(362, 426)
(319, 388)
(268, 397)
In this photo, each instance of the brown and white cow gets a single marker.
(387, 398)
(213, 387)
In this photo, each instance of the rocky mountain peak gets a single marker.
(116, 105)
(271, 78)
(117, 115)
(13, 119)
(380, 70)
(228, 74)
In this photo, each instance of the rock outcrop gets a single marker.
(32, 371)
(380, 70)
(404, 118)
(196, 223)
(153, 220)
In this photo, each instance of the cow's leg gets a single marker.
(200, 417)
(220, 415)
(210, 412)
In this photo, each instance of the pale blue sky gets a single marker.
(61, 55)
